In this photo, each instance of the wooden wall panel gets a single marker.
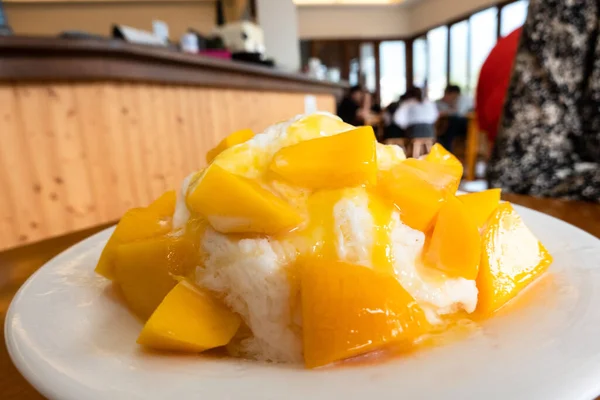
(74, 156)
(235, 10)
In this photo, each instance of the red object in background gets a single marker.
(494, 80)
(215, 53)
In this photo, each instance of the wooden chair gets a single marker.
(422, 138)
(402, 142)
(421, 146)
(474, 147)
(441, 125)
(413, 147)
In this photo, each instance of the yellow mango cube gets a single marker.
(313, 125)
(511, 259)
(144, 269)
(233, 139)
(137, 223)
(234, 204)
(164, 206)
(440, 155)
(342, 160)
(439, 175)
(189, 320)
(481, 204)
(349, 310)
(417, 199)
(455, 245)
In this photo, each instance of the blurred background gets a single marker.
(126, 96)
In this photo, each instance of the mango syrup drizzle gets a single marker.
(382, 254)
(316, 238)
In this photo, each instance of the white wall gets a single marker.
(429, 13)
(320, 22)
(51, 18)
(279, 21)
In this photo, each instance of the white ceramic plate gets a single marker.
(73, 340)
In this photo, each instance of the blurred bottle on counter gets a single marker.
(189, 43)
(4, 28)
(160, 29)
(334, 74)
(316, 69)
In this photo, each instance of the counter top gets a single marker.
(55, 59)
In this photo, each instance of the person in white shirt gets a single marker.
(416, 115)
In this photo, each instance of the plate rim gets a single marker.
(47, 390)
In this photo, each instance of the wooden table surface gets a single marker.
(17, 265)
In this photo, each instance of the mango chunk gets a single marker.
(144, 270)
(440, 155)
(233, 139)
(349, 310)
(455, 246)
(342, 160)
(313, 126)
(439, 175)
(418, 200)
(233, 204)
(481, 204)
(164, 206)
(511, 259)
(189, 320)
(137, 223)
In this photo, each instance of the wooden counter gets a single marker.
(91, 128)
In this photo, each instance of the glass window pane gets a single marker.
(513, 16)
(483, 38)
(420, 62)
(437, 45)
(459, 45)
(367, 66)
(353, 78)
(392, 58)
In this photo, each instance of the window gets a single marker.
(367, 66)
(420, 62)
(353, 77)
(513, 16)
(483, 26)
(437, 46)
(445, 55)
(392, 55)
(459, 55)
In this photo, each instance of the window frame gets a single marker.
(349, 47)
(409, 42)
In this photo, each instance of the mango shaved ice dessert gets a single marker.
(312, 243)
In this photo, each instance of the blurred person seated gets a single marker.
(354, 107)
(372, 115)
(548, 142)
(416, 115)
(448, 104)
(453, 107)
(391, 130)
(375, 104)
(367, 103)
